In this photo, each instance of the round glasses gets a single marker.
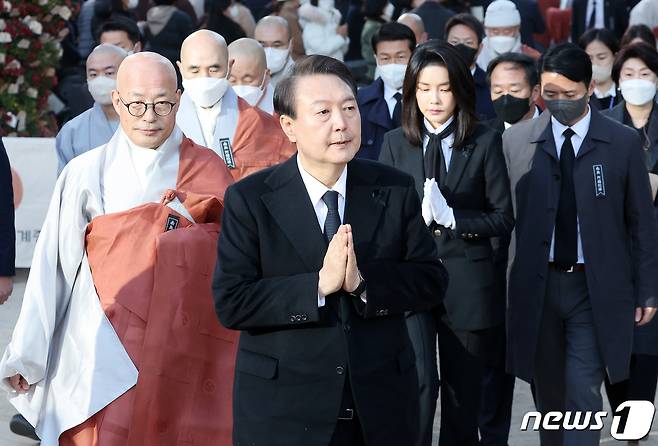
(138, 108)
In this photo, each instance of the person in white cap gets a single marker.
(502, 25)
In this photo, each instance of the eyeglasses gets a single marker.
(138, 108)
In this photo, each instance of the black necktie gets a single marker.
(566, 223)
(332, 221)
(592, 18)
(397, 111)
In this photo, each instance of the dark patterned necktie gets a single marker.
(332, 221)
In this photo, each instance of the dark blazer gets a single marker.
(375, 119)
(615, 17)
(435, 16)
(292, 358)
(476, 188)
(645, 339)
(168, 41)
(532, 21)
(7, 231)
(483, 106)
(619, 216)
(650, 155)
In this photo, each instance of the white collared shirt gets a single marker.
(446, 143)
(580, 128)
(316, 190)
(598, 19)
(389, 97)
(208, 120)
(535, 115)
(612, 92)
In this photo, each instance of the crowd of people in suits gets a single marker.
(534, 170)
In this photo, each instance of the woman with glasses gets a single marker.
(636, 72)
(461, 178)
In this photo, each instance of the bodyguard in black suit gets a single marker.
(460, 173)
(465, 33)
(7, 231)
(324, 356)
(584, 13)
(585, 247)
(380, 103)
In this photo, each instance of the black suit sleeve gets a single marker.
(417, 281)
(7, 230)
(497, 218)
(537, 19)
(643, 227)
(243, 299)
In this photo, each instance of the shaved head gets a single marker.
(249, 63)
(272, 28)
(105, 60)
(203, 54)
(151, 79)
(416, 24)
(147, 68)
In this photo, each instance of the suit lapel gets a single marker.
(458, 162)
(653, 138)
(543, 135)
(364, 204)
(291, 208)
(598, 131)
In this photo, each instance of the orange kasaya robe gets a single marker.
(152, 269)
(258, 141)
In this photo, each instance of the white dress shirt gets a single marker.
(446, 143)
(535, 115)
(389, 97)
(208, 120)
(612, 92)
(580, 128)
(598, 19)
(316, 190)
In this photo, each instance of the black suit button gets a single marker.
(437, 233)
(292, 318)
(304, 317)
(347, 328)
(298, 318)
(340, 370)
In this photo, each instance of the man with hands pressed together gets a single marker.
(324, 355)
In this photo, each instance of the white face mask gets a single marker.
(250, 93)
(392, 74)
(601, 73)
(503, 44)
(638, 91)
(276, 58)
(101, 88)
(388, 12)
(132, 4)
(206, 91)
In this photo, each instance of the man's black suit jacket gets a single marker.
(7, 231)
(294, 357)
(477, 189)
(615, 17)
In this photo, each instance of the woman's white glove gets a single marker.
(435, 207)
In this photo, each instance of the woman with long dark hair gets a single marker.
(461, 177)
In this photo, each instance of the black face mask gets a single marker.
(510, 108)
(467, 53)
